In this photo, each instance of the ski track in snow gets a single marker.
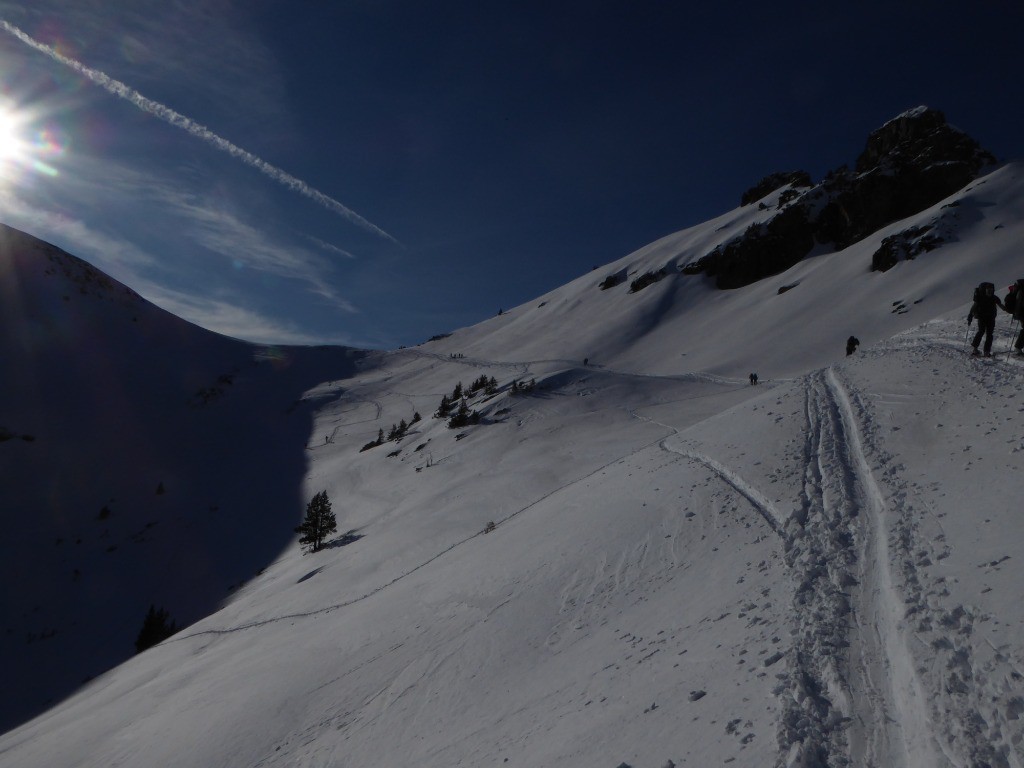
(973, 686)
(759, 501)
(901, 727)
(852, 697)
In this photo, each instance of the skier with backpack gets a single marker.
(984, 308)
(1015, 306)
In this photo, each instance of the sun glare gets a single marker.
(11, 145)
(24, 147)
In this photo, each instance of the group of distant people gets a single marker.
(984, 308)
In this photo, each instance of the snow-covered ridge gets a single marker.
(645, 560)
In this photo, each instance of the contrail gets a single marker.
(328, 247)
(168, 115)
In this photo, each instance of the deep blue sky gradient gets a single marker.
(508, 147)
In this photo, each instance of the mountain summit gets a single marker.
(908, 165)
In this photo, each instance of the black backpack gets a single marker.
(980, 291)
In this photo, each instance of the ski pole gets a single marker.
(1013, 334)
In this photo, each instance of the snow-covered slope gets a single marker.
(145, 461)
(682, 568)
(683, 323)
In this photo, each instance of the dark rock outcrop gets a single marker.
(770, 183)
(763, 250)
(909, 164)
(905, 245)
(612, 280)
(646, 279)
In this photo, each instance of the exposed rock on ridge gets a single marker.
(909, 164)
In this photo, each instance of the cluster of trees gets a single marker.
(487, 385)
(397, 432)
(455, 408)
(463, 416)
(450, 403)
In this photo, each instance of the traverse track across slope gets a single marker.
(851, 695)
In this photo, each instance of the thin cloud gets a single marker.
(229, 319)
(168, 115)
(194, 220)
(223, 233)
(323, 245)
(120, 258)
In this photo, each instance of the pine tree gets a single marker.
(319, 522)
(156, 627)
(445, 408)
(463, 416)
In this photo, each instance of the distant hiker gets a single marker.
(586, 361)
(851, 345)
(753, 379)
(984, 308)
(1014, 304)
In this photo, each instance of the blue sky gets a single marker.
(374, 173)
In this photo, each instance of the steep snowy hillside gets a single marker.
(142, 460)
(817, 571)
(633, 556)
(683, 323)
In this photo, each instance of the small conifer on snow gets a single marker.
(319, 523)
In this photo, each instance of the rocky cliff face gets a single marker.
(907, 165)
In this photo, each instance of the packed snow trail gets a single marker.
(897, 723)
(852, 697)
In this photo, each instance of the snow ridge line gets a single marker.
(887, 606)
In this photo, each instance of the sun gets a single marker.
(27, 147)
(11, 144)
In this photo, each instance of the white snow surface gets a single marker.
(683, 569)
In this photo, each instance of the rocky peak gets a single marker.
(909, 164)
(921, 137)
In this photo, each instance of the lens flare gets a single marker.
(25, 146)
